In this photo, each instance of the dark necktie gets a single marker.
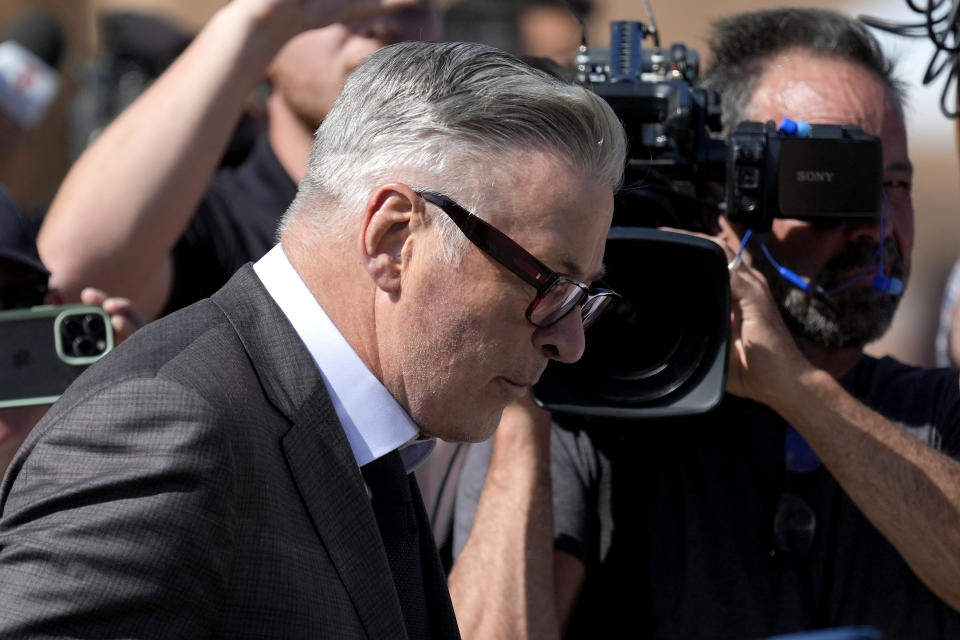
(397, 519)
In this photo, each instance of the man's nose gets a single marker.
(564, 340)
(870, 229)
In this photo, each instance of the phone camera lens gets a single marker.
(93, 325)
(71, 328)
(83, 346)
(84, 335)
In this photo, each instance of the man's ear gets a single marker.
(392, 210)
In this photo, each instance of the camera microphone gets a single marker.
(879, 282)
(884, 284)
(29, 54)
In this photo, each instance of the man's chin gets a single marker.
(464, 430)
(852, 320)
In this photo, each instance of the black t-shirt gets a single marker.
(235, 223)
(674, 520)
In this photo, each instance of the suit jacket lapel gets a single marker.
(331, 486)
(317, 451)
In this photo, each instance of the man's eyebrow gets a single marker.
(572, 269)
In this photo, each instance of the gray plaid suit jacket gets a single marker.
(197, 483)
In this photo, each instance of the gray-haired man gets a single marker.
(205, 478)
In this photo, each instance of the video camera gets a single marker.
(663, 351)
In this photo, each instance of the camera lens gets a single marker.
(83, 335)
(71, 328)
(83, 346)
(93, 325)
(663, 338)
(651, 343)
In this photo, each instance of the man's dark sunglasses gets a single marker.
(557, 294)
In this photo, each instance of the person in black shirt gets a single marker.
(822, 492)
(235, 223)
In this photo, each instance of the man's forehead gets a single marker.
(561, 218)
(568, 246)
(818, 88)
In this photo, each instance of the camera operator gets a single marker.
(138, 214)
(23, 284)
(823, 491)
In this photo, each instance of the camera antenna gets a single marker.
(940, 26)
(652, 30)
(581, 61)
(583, 27)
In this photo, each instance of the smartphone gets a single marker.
(43, 349)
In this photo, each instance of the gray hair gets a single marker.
(448, 112)
(742, 46)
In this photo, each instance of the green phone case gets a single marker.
(39, 357)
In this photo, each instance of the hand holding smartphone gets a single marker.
(43, 349)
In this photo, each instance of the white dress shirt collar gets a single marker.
(374, 423)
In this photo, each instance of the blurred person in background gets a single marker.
(141, 212)
(135, 48)
(541, 28)
(23, 284)
(30, 52)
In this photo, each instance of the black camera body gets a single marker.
(829, 174)
(832, 175)
(664, 350)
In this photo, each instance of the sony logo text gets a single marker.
(815, 176)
